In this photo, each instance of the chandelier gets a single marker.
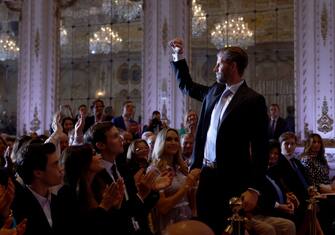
(198, 19)
(8, 48)
(122, 10)
(105, 41)
(233, 32)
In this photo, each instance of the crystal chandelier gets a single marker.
(198, 19)
(233, 32)
(105, 41)
(8, 48)
(122, 10)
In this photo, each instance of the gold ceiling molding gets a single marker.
(324, 23)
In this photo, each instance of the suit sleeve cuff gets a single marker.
(255, 190)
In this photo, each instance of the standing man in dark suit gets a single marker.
(231, 138)
(277, 124)
(125, 121)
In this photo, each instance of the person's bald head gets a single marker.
(188, 227)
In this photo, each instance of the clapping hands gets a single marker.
(7, 230)
(6, 197)
(192, 178)
(113, 195)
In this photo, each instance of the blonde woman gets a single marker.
(174, 203)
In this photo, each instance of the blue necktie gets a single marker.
(300, 175)
(278, 190)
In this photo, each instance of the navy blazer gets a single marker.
(284, 173)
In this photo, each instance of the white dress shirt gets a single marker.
(210, 146)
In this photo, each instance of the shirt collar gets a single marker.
(107, 165)
(42, 200)
(233, 88)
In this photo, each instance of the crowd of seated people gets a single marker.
(103, 175)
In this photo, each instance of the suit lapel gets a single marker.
(238, 98)
(35, 205)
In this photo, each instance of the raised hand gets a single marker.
(175, 44)
(79, 127)
(9, 163)
(57, 123)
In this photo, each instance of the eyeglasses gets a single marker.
(141, 149)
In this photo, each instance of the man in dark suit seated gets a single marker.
(277, 124)
(38, 166)
(291, 174)
(231, 138)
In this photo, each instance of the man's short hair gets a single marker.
(81, 106)
(33, 157)
(156, 112)
(237, 55)
(96, 101)
(97, 133)
(182, 137)
(275, 105)
(127, 102)
(287, 135)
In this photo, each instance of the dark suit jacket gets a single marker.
(284, 173)
(25, 205)
(242, 134)
(119, 122)
(89, 121)
(280, 128)
(134, 207)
